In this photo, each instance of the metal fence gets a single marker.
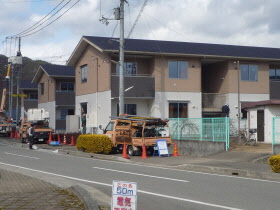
(275, 131)
(200, 129)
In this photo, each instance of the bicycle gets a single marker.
(251, 139)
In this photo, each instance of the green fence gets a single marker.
(200, 129)
(275, 131)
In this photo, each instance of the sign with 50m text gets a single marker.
(124, 195)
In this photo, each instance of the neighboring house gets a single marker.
(168, 79)
(274, 76)
(56, 92)
(30, 101)
(260, 116)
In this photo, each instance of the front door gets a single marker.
(260, 124)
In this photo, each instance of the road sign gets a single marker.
(162, 147)
(124, 195)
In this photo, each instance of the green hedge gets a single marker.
(274, 162)
(94, 143)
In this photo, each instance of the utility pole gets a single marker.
(121, 84)
(18, 79)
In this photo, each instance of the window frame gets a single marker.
(276, 77)
(42, 87)
(178, 69)
(84, 73)
(178, 108)
(34, 98)
(249, 73)
(67, 84)
(125, 69)
(126, 109)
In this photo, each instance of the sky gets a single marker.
(232, 22)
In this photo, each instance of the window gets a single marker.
(33, 96)
(178, 69)
(128, 109)
(67, 86)
(42, 88)
(178, 110)
(110, 126)
(84, 71)
(274, 74)
(128, 68)
(65, 112)
(249, 72)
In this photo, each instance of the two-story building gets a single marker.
(168, 79)
(56, 92)
(30, 100)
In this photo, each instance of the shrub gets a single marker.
(274, 162)
(94, 143)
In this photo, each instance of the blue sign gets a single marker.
(161, 148)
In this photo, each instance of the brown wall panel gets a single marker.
(49, 89)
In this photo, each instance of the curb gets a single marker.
(87, 199)
(230, 172)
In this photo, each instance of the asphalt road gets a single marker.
(158, 188)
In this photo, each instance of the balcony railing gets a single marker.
(213, 101)
(65, 98)
(141, 86)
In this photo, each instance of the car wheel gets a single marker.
(130, 151)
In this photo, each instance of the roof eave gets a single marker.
(194, 55)
(72, 60)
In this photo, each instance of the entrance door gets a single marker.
(260, 124)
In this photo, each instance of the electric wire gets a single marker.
(24, 1)
(52, 21)
(41, 19)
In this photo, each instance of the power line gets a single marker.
(41, 19)
(53, 20)
(6, 2)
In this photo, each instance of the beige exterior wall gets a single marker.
(49, 89)
(91, 57)
(250, 87)
(164, 84)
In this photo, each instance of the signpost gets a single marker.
(161, 148)
(124, 195)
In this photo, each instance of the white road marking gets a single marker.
(109, 185)
(20, 155)
(126, 172)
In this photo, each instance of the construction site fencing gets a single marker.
(275, 131)
(200, 129)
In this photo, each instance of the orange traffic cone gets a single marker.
(58, 138)
(17, 136)
(124, 154)
(64, 140)
(144, 152)
(50, 138)
(175, 151)
(11, 134)
(72, 141)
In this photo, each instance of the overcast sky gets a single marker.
(234, 22)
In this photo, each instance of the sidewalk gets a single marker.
(18, 191)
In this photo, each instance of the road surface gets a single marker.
(158, 188)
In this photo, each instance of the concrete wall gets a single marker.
(270, 112)
(72, 124)
(199, 148)
(160, 106)
(50, 107)
(101, 114)
(276, 149)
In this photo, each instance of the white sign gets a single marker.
(124, 195)
(162, 147)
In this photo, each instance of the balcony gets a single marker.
(143, 86)
(213, 102)
(65, 98)
(60, 124)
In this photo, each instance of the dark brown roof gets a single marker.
(260, 103)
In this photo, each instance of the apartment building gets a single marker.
(30, 100)
(56, 92)
(168, 79)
